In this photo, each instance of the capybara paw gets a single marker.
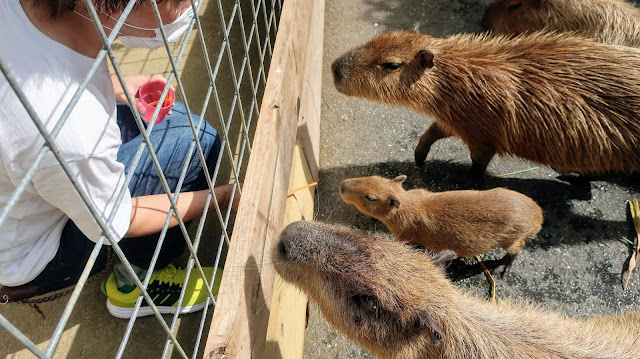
(574, 178)
(443, 257)
(420, 158)
(501, 270)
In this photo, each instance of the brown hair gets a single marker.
(396, 302)
(609, 21)
(60, 7)
(469, 223)
(555, 99)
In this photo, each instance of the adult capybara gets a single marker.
(610, 21)
(396, 302)
(468, 223)
(567, 102)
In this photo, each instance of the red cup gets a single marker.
(149, 95)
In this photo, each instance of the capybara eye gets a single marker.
(369, 198)
(391, 65)
(514, 6)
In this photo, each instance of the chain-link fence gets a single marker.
(218, 70)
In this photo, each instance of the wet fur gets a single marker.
(397, 303)
(562, 101)
(468, 223)
(609, 21)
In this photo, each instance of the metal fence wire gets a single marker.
(228, 71)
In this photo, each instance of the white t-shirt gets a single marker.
(49, 74)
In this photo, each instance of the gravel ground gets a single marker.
(573, 266)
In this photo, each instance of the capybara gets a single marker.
(610, 21)
(397, 303)
(468, 223)
(567, 102)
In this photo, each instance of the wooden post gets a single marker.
(239, 324)
(288, 320)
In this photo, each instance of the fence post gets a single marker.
(239, 323)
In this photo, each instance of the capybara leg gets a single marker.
(505, 264)
(429, 137)
(444, 256)
(479, 161)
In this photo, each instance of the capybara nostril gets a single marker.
(282, 249)
(336, 68)
(344, 185)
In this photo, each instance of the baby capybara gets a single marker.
(468, 223)
(610, 21)
(397, 303)
(567, 102)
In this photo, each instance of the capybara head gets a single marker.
(373, 195)
(368, 287)
(386, 68)
(516, 16)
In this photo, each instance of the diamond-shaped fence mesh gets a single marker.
(218, 70)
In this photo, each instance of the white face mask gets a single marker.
(173, 31)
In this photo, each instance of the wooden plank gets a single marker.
(288, 320)
(238, 327)
(309, 130)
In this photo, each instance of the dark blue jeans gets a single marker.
(171, 141)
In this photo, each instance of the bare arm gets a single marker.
(149, 213)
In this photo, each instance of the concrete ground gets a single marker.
(575, 263)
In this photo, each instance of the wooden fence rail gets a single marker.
(284, 154)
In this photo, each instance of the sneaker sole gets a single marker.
(126, 313)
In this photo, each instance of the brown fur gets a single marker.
(397, 303)
(566, 102)
(468, 223)
(610, 21)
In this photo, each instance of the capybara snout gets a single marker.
(337, 68)
(292, 247)
(305, 243)
(341, 68)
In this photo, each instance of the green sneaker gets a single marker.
(164, 289)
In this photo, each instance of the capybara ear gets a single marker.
(425, 58)
(394, 201)
(425, 321)
(400, 179)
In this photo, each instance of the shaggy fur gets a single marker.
(397, 303)
(468, 223)
(566, 102)
(610, 21)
